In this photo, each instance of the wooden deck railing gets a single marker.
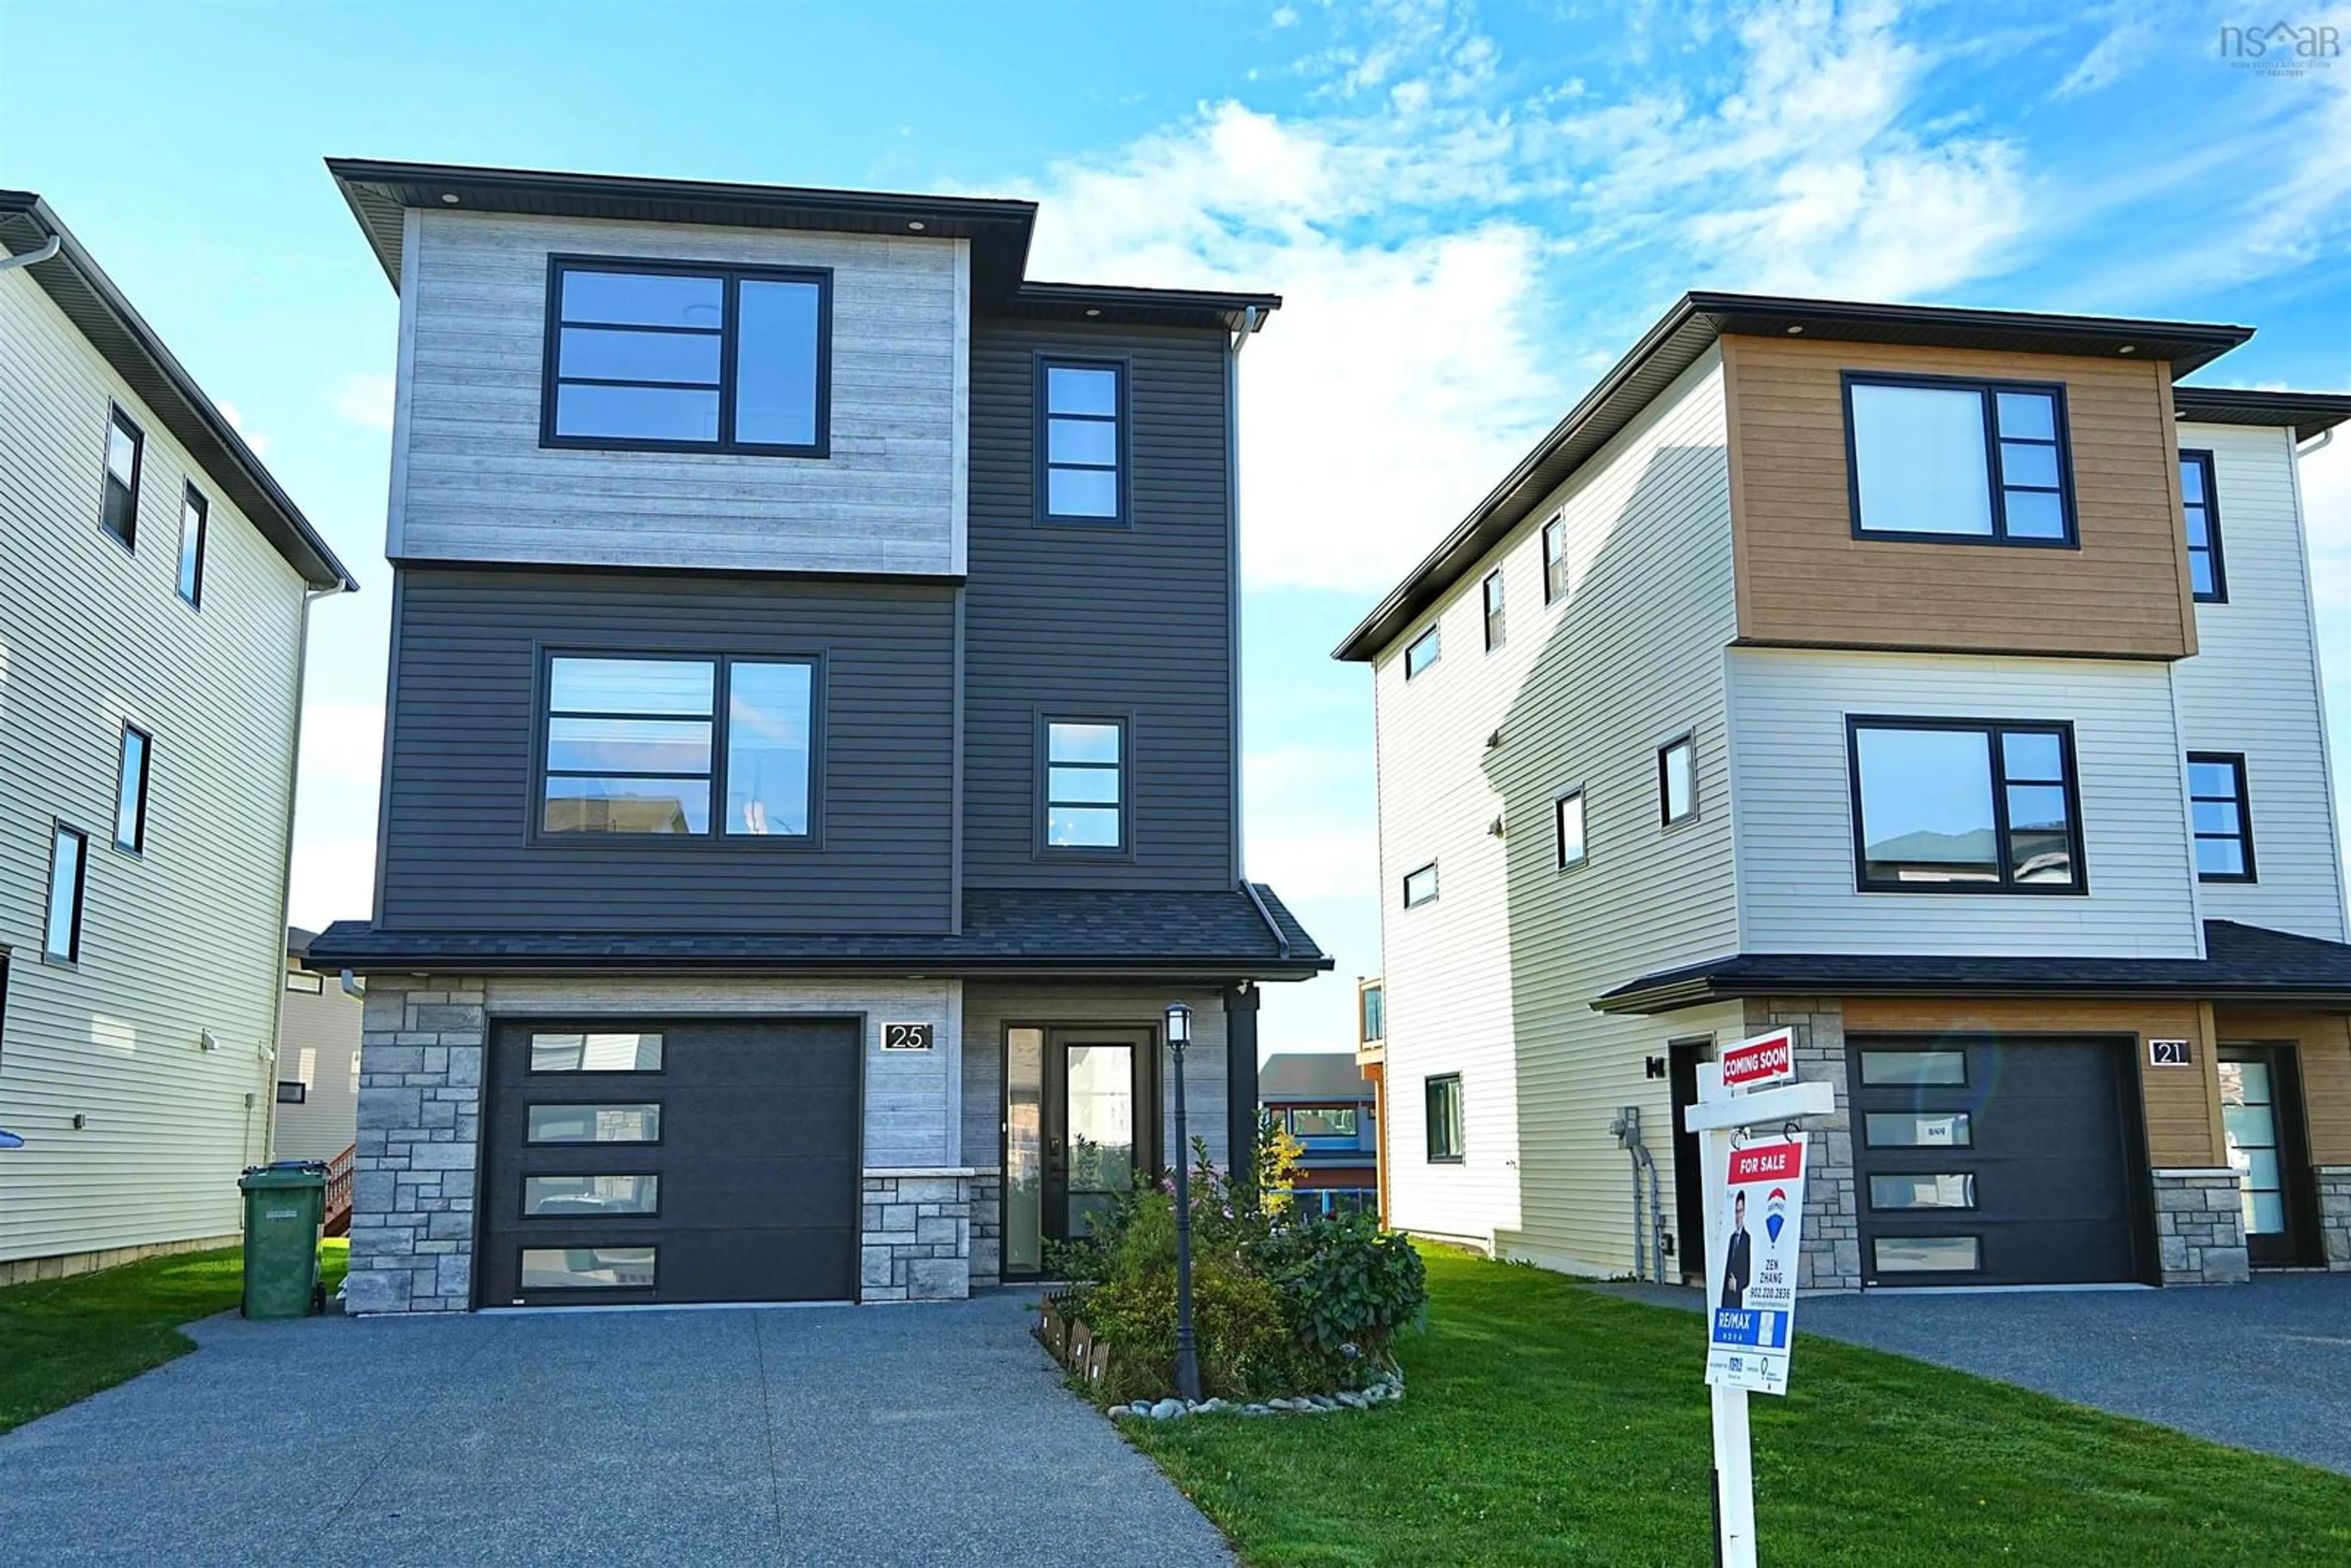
(339, 1192)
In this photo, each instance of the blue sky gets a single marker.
(1471, 210)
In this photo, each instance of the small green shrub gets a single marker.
(1345, 1282)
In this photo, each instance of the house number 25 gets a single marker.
(906, 1036)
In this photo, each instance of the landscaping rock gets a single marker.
(1167, 1410)
(1258, 1410)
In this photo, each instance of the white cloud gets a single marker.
(366, 401)
(2114, 57)
(235, 417)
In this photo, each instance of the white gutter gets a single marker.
(49, 250)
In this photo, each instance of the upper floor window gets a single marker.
(1497, 610)
(1567, 824)
(126, 445)
(1309, 1122)
(687, 358)
(195, 518)
(131, 791)
(1371, 1012)
(1554, 557)
(2201, 505)
(309, 984)
(1678, 781)
(635, 745)
(1420, 886)
(1085, 785)
(1423, 652)
(2223, 816)
(1081, 463)
(1959, 461)
(1965, 806)
(69, 855)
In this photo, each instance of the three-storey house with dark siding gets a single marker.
(811, 753)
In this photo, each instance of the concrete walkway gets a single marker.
(883, 1435)
(2265, 1365)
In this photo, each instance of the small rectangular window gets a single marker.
(1934, 458)
(2200, 502)
(1965, 806)
(1424, 652)
(589, 1268)
(1444, 1130)
(309, 984)
(1322, 1121)
(1918, 1130)
(589, 1197)
(592, 1052)
(126, 445)
(69, 855)
(130, 791)
(293, 1092)
(195, 514)
(1420, 886)
(1678, 781)
(1567, 823)
(1371, 1019)
(2221, 810)
(1901, 1067)
(1497, 610)
(1085, 786)
(635, 1123)
(723, 358)
(1554, 557)
(1908, 1191)
(1928, 1254)
(1080, 453)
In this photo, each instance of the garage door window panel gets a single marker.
(629, 1124)
(1946, 1191)
(591, 1051)
(1918, 1130)
(589, 1268)
(1928, 1254)
(1936, 1067)
(590, 1196)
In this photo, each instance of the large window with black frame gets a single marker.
(2222, 816)
(1964, 806)
(671, 748)
(1942, 459)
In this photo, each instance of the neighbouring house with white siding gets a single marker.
(1941, 683)
(317, 1059)
(154, 591)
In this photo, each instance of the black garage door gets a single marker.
(683, 1162)
(1985, 1160)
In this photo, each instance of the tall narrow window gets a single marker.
(1497, 610)
(61, 933)
(1959, 807)
(1567, 819)
(196, 517)
(1371, 1012)
(131, 791)
(125, 445)
(2201, 505)
(647, 354)
(1443, 1101)
(1424, 652)
(1678, 781)
(1081, 458)
(1967, 462)
(1085, 785)
(1554, 555)
(2223, 814)
(769, 711)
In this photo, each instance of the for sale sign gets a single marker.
(1765, 1059)
(1757, 1227)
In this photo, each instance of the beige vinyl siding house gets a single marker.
(317, 1075)
(138, 1074)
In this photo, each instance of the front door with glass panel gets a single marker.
(2261, 1110)
(1079, 1133)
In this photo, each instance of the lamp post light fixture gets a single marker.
(1187, 1355)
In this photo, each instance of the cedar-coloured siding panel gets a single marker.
(2324, 1053)
(457, 848)
(2182, 1115)
(1136, 620)
(187, 936)
(1804, 578)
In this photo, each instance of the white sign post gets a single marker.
(1751, 1288)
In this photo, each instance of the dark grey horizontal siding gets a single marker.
(457, 850)
(1134, 621)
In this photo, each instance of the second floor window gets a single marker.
(1085, 785)
(125, 445)
(1678, 781)
(1420, 886)
(1497, 612)
(195, 518)
(639, 746)
(1424, 652)
(2202, 510)
(1567, 823)
(1957, 461)
(131, 791)
(1082, 459)
(2217, 799)
(680, 357)
(1958, 806)
(1554, 557)
(61, 932)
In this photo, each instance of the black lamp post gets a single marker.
(1187, 1355)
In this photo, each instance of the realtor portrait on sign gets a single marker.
(1739, 1260)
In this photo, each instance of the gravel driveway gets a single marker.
(826, 1435)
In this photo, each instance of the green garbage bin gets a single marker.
(285, 1205)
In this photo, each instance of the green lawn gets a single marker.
(1542, 1423)
(63, 1340)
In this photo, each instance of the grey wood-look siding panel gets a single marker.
(187, 936)
(477, 486)
(458, 854)
(1132, 620)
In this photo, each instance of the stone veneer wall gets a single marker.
(2334, 1214)
(2199, 1227)
(419, 1131)
(919, 1230)
(1831, 1257)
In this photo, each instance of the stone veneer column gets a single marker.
(1831, 1257)
(418, 1145)
(2334, 1214)
(2199, 1225)
(917, 1231)
(987, 1190)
